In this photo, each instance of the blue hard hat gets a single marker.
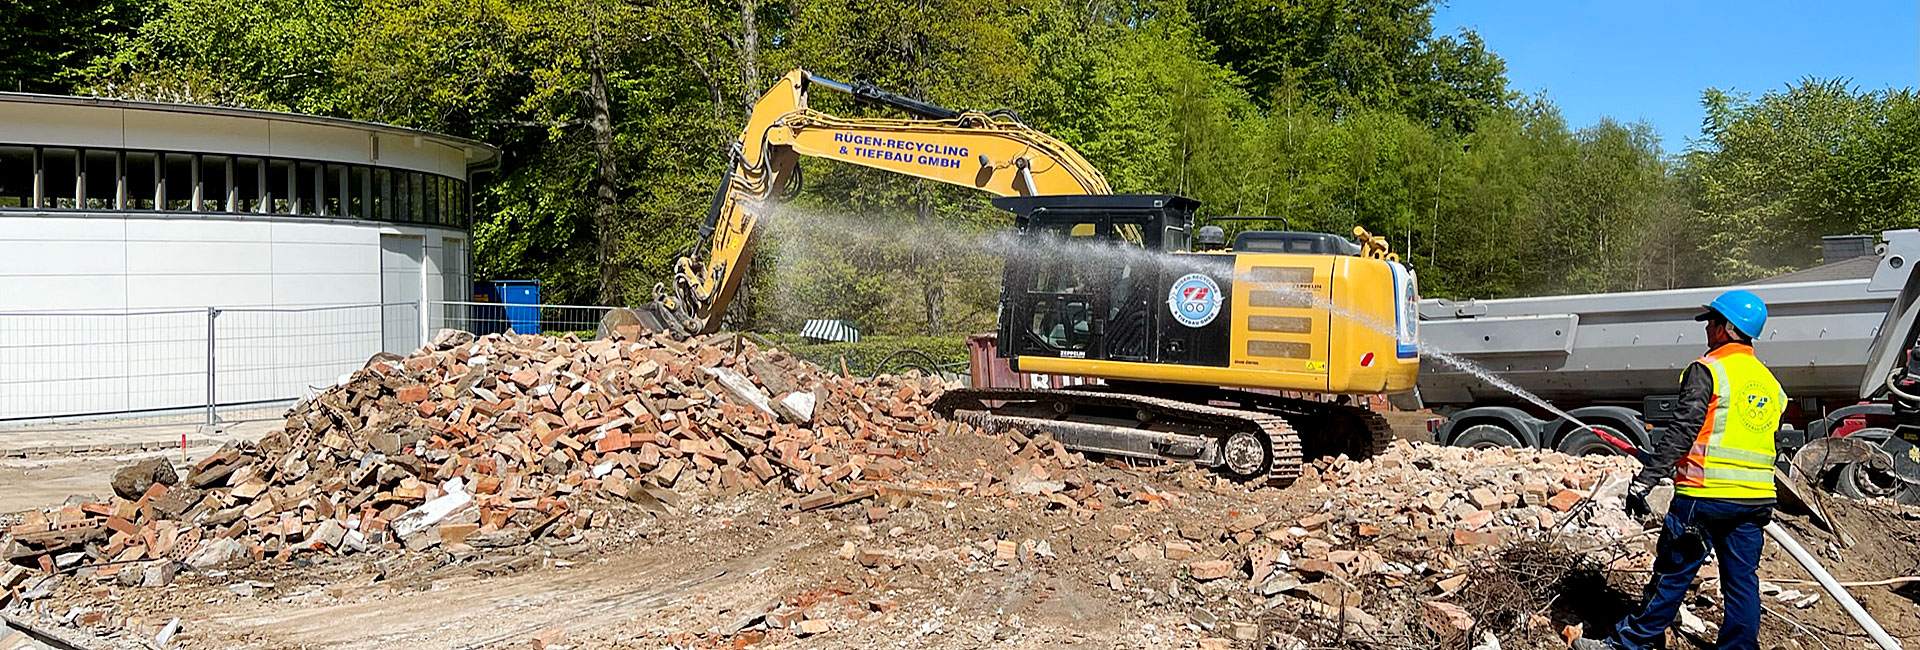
(1745, 311)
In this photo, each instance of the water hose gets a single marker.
(1832, 586)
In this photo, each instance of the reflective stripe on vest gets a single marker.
(1732, 456)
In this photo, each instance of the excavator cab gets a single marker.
(1088, 280)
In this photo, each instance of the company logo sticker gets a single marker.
(1759, 410)
(1194, 300)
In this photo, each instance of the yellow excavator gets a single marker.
(1203, 356)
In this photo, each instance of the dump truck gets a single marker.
(1613, 360)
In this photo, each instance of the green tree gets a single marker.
(47, 44)
(271, 54)
(1771, 175)
(1346, 55)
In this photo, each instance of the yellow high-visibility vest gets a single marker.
(1732, 456)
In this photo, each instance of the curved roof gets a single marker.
(473, 152)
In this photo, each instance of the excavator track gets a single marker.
(1326, 429)
(1295, 429)
(1140, 426)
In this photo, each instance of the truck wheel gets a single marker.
(1483, 436)
(1584, 442)
(1856, 480)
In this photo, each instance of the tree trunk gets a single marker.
(749, 54)
(605, 204)
(933, 287)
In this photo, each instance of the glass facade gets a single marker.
(59, 178)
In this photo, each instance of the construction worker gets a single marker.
(1719, 451)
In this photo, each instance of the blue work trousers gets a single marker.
(1693, 527)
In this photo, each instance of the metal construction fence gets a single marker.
(92, 364)
(492, 318)
(57, 366)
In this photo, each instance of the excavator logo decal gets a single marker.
(1194, 300)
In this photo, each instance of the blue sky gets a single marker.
(1635, 59)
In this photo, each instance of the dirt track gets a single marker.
(646, 583)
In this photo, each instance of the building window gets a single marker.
(280, 187)
(359, 190)
(432, 194)
(110, 179)
(306, 178)
(416, 197)
(246, 185)
(59, 179)
(461, 201)
(178, 179)
(402, 198)
(143, 180)
(213, 183)
(16, 177)
(101, 179)
(336, 190)
(382, 195)
(452, 203)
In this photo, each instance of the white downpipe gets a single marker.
(1839, 593)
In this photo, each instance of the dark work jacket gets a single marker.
(1672, 441)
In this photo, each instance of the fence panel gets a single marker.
(81, 363)
(264, 355)
(483, 318)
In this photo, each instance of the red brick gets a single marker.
(550, 639)
(414, 394)
(1478, 520)
(612, 442)
(1210, 570)
(1448, 620)
(1463, 537)
(1564, 500)
(455, 533)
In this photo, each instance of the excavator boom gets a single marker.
(993, 152)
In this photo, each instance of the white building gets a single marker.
(320, 240)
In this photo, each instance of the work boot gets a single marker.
(1591, 644)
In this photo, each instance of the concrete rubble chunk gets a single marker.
(796, 407)
(430, 513)
(448, 339)
(158, 573)
(328, 534)
(223, 553)
(133, 481)
(741, 388)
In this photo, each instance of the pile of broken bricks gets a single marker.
(1414, 519)
(495, 441)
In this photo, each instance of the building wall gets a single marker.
(132, 261)
(106, 312)
(241, 133)
(122, 283)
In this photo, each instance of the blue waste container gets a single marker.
(524, 320)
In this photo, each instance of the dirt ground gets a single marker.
(39, 481)
(919, 567)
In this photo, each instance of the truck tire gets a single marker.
(1855, 480)
(1584, 442)
(1482, 436)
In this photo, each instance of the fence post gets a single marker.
(425, 333)
(212, 385)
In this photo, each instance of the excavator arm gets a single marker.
(994, 152)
